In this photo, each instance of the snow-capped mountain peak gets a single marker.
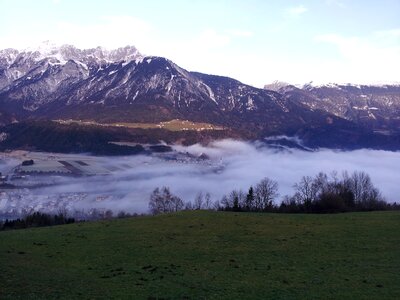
(64, 53)
(312, 85)
(18, 64)
(276, 85)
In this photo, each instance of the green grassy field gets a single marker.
(207, 255)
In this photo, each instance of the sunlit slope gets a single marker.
(213, 255)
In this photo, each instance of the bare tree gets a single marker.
(163, 201)
(108, 214)
(305, 190)
(157, 204)
(216, 205)
(225, 202)
(323, 193)
(234, 201)
(198, 201)
(237, 198)
(321, 185)
(363, 189)
(207, 201)
(188, 205)
(264, 193)
(177, 203)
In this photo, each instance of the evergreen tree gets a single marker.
(236, 206)
(250, 199)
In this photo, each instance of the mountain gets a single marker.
(123, 85)
(276, 86)
(375, 107)
(31, 79)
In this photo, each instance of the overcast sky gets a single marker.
(255, 41)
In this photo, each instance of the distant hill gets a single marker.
(51, 136)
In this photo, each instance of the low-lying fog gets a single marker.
(232, 165)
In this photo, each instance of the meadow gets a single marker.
(207, 255)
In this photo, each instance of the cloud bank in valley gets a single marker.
(232, 165)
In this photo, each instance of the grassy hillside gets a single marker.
(172, 125)
(213, 255)
(77, 138)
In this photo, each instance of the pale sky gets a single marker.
(254, 41)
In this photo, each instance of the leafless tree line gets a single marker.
(322, 193)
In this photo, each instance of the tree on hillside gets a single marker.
(306, 190)
(364, 192)
(198, 201)
(234, 201)
(250, 199)
(265, 193)
(163, 201)
(324, 193)
(207, 201)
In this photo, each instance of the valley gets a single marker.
(87, 186)
(83, 185)
(70, 110)
(199, 149)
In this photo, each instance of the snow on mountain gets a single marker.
(65, 53)
(29, 65)
(276, 85)
(64, 81)
(15, 64)
(375, 106)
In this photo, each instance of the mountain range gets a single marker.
(123, 85)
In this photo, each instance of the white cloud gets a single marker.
(371, 59)
(392, 35)
(296, 10)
